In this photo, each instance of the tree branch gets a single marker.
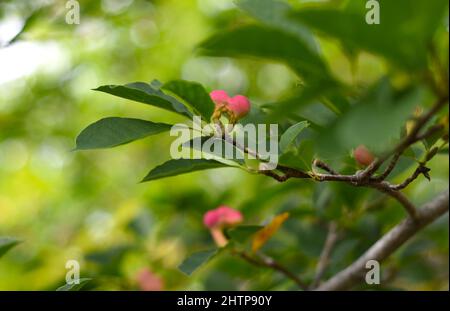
(269, 262)
(324, 258)
(388, 244)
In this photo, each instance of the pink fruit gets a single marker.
(219, 97)
(363, 156)
(223, 216)
(148, 281)
(239, 106)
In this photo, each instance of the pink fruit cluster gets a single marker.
(218, 219)
(237, 106)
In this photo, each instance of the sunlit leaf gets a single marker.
(194, 94)
(147, 94)
(110, 132)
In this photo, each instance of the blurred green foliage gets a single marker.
(353, 83)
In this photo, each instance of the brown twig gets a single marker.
(390, 167)
(385, 187)
(324, 258)
(269, 262)
(421, 170)
(324, 166)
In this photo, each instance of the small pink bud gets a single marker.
(219, 97)
(239, 105)
(363, 156)
(148, 281)
(223, 216)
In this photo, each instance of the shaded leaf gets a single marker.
(291, 134)
(375, 121)
(110, 132)
(241, 234)
(181, 166)
(274, 13)
(403, 35)
(195, 260)
(254, 41)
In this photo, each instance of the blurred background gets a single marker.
(89, 206)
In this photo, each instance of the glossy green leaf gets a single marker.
(194, 94)
(110, 132)
(291, 134)
(181, 166)
(74, 287)
(148, 94)
(6, 243)
(195, 260)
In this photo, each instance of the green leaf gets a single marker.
(375, 121)
(242, 234)
(301, 157)
(257, 41)
(304, 101)
(181, 166)
(274, 13)
(403, 35)
(291, 134)
(194, 94)
(6, 243)
(195, 260)
(74, 287)
(111, 132)
(148, 94)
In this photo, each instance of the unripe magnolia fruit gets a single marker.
(239, 105)
(223, 216)
(219, 97)
(363, 156)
